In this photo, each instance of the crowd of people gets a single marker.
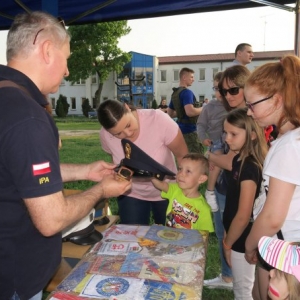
(234, 129)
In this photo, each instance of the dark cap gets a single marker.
(83, 232)
(141, 163)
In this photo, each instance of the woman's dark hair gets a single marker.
(238, 75)
(110, 112)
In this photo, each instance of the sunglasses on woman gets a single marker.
(232, 91)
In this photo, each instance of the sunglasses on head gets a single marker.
(232, 91)
(59, 21)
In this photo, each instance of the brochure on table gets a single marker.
(139, 262)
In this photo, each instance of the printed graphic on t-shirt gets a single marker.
(182, 216)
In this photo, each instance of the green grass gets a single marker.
(86, 149)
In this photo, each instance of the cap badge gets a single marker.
(127, 151)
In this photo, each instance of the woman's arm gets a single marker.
(178, 146)
(272, 216)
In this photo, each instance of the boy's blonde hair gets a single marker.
(203, 161)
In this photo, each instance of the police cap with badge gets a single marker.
(137, 163)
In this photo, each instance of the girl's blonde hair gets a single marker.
(282, 78)
(255, 143)
(292, 283)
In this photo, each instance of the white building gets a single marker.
(165, 77)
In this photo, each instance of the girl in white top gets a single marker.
(272, 95)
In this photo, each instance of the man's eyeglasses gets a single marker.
(59, 20)
(251, 105)
(232, 91)
(215, 88)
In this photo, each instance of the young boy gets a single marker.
(187, 207)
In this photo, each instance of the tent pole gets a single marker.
(297, 31)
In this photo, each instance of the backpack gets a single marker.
(180, 111)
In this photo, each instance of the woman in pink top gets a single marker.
(156, 134)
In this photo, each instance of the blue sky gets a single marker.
(266, 29)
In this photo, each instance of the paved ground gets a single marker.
(76, 132)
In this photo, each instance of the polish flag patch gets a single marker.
(41, 169)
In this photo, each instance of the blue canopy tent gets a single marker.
(76, 12)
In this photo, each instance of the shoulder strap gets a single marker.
(8, 83)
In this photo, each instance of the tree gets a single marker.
(62, 106)
(86, 107)
(154, 104)
(94, 49)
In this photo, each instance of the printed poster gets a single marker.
(174, 236)
(104, 287)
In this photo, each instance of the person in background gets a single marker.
(33, 209)
(231, 90)
(243, 54)
(272, 95)
(183, 106)
(284, 258)
(205, 102)
(245, 138)
(210, 129)
(163, 105)
(48, 108)
(187, 207)
(119, 121)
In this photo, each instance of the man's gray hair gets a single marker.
(28, 30)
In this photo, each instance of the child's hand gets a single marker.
(207, 142)
(160, 185)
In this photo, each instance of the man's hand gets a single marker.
(98, 170)
(112, 186)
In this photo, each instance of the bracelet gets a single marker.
(225, 246)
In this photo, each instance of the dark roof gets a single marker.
(94, 11)
(267, 55)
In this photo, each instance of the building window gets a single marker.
(73, 103)
(201, 99)
(201, 74)
(52, 102)
(176, 75)
(94, 103)
(215, 71)
(163, 76)
(94, 78)
(80, 81)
